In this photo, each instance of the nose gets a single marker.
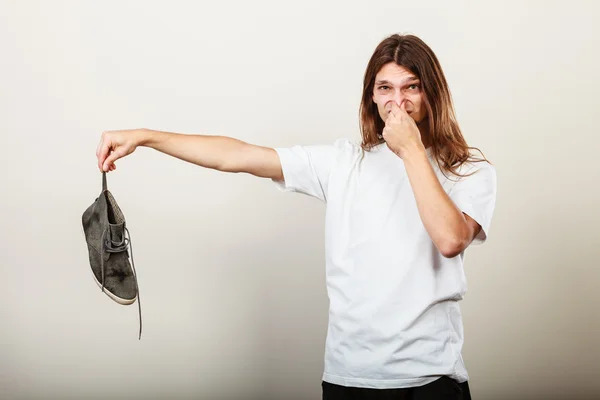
(397, 98)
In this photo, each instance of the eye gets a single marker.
(384, 87)
(414, 86)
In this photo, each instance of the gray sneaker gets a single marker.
(104, 229)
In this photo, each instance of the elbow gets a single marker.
(455, 241)
(452, 247)
(224, 166)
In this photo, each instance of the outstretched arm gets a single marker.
(221, 153)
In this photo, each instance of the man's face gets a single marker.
(394, 83)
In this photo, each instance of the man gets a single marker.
(402, 207)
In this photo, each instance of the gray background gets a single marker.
(231, 271)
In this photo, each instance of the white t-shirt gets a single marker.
(394, 317)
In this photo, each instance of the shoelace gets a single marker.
(110, 246)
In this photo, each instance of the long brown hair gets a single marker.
(449, 147)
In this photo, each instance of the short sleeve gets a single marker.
(475, 195)
(306, 169)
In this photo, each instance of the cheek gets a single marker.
(379, 100)
(416, 100)
(419, 105)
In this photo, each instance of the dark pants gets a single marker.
(444, 388)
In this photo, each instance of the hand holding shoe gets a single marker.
(117, 144)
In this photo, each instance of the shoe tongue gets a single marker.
(116, 232)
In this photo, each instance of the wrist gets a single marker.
(412, 151)
(146, 137)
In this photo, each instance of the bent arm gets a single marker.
(221, 153)
(451, 230)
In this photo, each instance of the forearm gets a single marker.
(204, 150)
(442, 219)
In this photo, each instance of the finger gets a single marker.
(104, 150)
(392, 108)
(115, 155)
(403, 106)
(98, 147)
(396, 110)
(102, 137)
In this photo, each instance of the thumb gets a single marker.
(114, 156)
(403, 106)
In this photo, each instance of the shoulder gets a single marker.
(479, 167)
(343, 148)
(476, 178)
(319, 156)
(346, 144)
(476, 165)
(340, 143)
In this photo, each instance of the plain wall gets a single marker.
(231, 271)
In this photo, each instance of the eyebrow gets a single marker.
(386, 82)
